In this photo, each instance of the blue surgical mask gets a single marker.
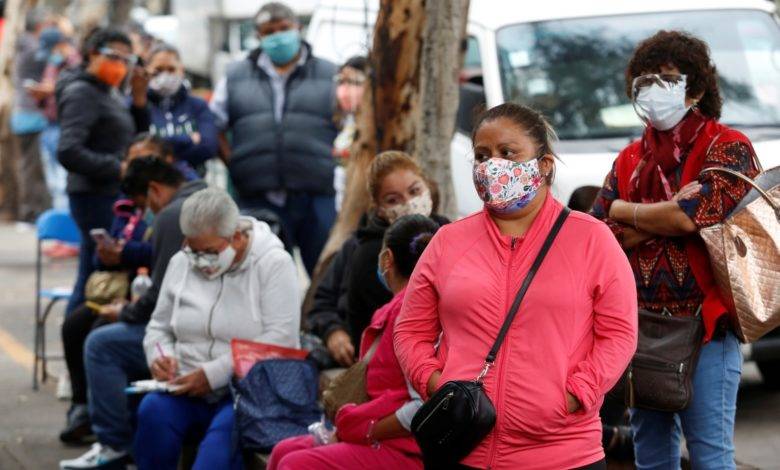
(381, 276)
(56, 59)
(282, 47)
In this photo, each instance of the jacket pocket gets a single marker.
(536, 404)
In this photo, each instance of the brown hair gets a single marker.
(390, 161)
(690, 55)
(532, 121)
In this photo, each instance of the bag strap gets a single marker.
(491, 357)
(372, 349)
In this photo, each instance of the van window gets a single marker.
(573, 70)
(472, 91)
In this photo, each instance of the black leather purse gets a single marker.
(660, 376)
(459, 415)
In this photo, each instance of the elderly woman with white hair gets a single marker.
(233, 279)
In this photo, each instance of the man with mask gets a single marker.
(278, 104)
(113, 354)
(95, 130)
(182, 120)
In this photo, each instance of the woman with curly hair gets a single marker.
(655, 200)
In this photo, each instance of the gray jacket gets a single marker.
(166, 241)
(294, 154)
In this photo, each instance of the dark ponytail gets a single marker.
(407, 238)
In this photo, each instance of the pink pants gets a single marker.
(299, 453)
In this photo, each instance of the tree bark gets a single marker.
(15, 11)
(442, 59)
(385, 117)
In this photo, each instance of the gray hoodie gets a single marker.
(196, 318)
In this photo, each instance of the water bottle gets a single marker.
(140, 285)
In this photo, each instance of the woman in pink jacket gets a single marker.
(575, 331)
(374, 434)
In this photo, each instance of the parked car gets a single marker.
(567, 59)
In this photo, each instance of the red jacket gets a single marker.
(575, 331)
(385, 383)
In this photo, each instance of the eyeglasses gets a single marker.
(111, 54)
(200, 257)
(664, 80)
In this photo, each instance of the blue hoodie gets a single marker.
(176, 118)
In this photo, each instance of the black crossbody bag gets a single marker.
(459, 415)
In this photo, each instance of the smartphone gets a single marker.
(101, 236)
(29, 83)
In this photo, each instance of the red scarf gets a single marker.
(662, 154)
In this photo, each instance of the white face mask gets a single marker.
(213, 266)
(422, 205)
(166, 84)
(662, 106)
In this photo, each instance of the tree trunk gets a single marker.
(385, 117)
(442, 59)
(15, 11)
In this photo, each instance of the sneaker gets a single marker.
(78, 429)
(99, 456)
(64, 392)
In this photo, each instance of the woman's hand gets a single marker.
(110, 254)
(194, 384)
(341, 348)
(572, 404)
(687, 191)
(164, 368)
(139, 81)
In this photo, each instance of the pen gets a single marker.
(160, 350)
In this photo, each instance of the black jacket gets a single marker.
(167, 240)
(350, 292)
(95, 129)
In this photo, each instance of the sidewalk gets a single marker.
(31, 421)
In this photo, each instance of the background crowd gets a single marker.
(110, 129)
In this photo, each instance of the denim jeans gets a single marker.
(707, 423)
(113, 357)
(88, 211)
(306, 221)
(166, 421)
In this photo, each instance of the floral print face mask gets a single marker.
(506, 186)
(422, 205)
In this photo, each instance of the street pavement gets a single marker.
(31, 420)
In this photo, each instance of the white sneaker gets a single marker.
(63, 387)
(96, 457)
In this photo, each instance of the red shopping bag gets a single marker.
(246, 353)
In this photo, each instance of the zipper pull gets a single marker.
(631, 388)
(514, 240)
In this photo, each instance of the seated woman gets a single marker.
(374, 434)
(233, 279)
(350, 293)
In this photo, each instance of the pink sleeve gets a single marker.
(417, 328)
(614, 321)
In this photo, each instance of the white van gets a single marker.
(567, 59)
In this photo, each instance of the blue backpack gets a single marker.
(277, 399)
